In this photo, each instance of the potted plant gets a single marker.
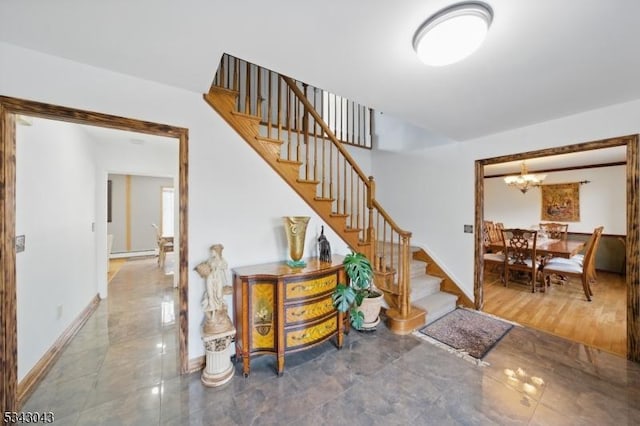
(357, 297)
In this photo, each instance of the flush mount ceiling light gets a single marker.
(453, 33)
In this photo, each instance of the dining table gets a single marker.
(549, 247)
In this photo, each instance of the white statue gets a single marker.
(214, 270)
(217, 332)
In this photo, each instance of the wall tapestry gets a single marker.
(561, 202)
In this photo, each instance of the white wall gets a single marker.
(393, 134)
(602, 201)
(146, 195)
(438, 184)
(55, 209)
(234, 196)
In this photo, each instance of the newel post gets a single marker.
(404, 277)
(371, 231)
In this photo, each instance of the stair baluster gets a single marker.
(327, 177)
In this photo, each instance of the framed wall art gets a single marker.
(561, 202)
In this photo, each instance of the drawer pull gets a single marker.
(298, 314)
(327, 327)
(300, 288)
(299, 338)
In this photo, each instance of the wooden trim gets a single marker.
(127, 211)
(633, 225)
(562, 169)
(567, 149)
(195, 364)
(8, 325)
(183, 255)
(8, 108)
(37, 373)
(72, 115)
(478, 265)
(633, 238)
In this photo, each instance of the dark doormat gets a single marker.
(468, 332)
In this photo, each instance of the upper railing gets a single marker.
(349, 121)
(298, 115)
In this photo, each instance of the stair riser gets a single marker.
(428, 290)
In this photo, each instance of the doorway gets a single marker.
(632, 277)
(10, 108)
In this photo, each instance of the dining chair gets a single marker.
(493, 262)
(491, 232)
(165, 245)
(520, 254)
(488, 230)
(556, 231)
(576, 266)
(580, 256)
(497, 236)
(597, 232)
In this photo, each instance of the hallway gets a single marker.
(121, 369)
(117, 362)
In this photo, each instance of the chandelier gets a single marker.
(524, 180)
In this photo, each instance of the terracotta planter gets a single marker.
(371, 309)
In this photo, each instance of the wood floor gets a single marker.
(564, 310)
(114, 267)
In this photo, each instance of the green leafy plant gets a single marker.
(348, 297)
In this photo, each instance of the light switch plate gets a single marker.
(19, 243)
(468, 229)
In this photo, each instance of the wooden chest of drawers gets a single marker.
(279, 309)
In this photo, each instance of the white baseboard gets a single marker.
(133, 254)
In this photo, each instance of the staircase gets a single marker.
(300, 131)
(426, 290)
(426, 293)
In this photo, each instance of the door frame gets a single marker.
(9, 108)
(633, 225)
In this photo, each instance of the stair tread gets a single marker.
(352, 229)
(248, 116)
(437, 305)
(271, 140)
(424, 285)
(314, 182)
(223, 90)
(324, 199)
(417, 267)
(285, 161)
(339, 215)
(435, 299)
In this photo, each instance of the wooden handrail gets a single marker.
(388, 218)
(291, 109)
(320, 121)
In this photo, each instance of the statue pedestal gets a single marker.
(218, 369)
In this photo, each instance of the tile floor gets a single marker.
(121, 369)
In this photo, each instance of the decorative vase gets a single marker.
(296, 228)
